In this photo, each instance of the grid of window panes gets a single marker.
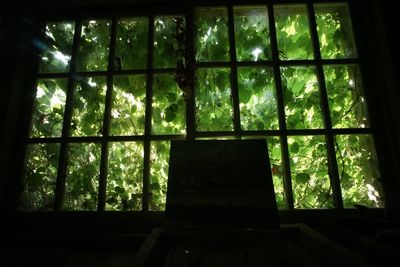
(112, 93)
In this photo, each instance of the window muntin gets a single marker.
(141, 102)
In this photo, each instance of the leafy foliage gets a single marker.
(293, 32)
(301, 97)
(49, 107)
(213, 100)
(334, 31)
(82, 182)
(40, 177)
(252, 34)
(128, 105)
(134, 84)
(125, 176)
(258, 107)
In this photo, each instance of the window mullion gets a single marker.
(107, 118)
(62, 163)
(281, 110)
(332, 163)
(148, 112)
(233, 76)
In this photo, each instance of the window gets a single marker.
(112, 92)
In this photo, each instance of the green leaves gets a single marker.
(302, 178)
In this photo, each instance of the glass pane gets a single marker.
(252, 33)
(169, 41)
(345, 95)
(131, 46)
(358, 171)
(168, 106)
(212, 41)
(57, 47)
(82, 182)
(94, 46)
(213, 100)
(293, 32)
(159, 162)
(258, 106)
(334, 31)
(309, 169)
(88, 107)
(49, 107)
(274, 151)
(301, 97)
(125, 176)
(128, 106)
(40, 177)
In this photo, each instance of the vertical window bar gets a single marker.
(281, 110)
(147, 129)
(333, 169)
(233, 76)
(62, 163)
(190, 72)
(107, 118)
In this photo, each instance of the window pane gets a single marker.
(49, 107)
(252, 34)
(83, 167)
(212, 41)
(169, 41)
(57, 48)
(293, 32)
(213, 100)
(40, 177)
(301, 97)
(125, 176)
(131, 46)
(94, 46)
(358, 170)
(168, 106)
(128, 106)
(345, 95)
(309, 169)
(274, 151)
(258, 107)
(88, 107)
(334, 31)
(159, 162)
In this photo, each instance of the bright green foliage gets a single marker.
(301, 97)
(359, 175)
(167, 31)
(358, 170)
(213, 100)
(258, 107)
(293, 32)
(159, 162)
(49, 107)
(346, 100)
(57, 47)
(88, 107)
(131, 45)
(40, 177)
(309, 170)
(94, 46)
(274, 152)
(125, 176)
(212, 41)
(334, 31)
(252, 34)
(81, 185)
(168, 106)
(128, 105)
